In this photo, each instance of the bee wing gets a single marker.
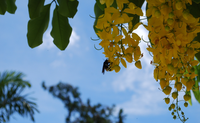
(103, 69)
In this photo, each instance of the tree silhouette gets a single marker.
(87, 113)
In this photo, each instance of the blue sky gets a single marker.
(80, 64)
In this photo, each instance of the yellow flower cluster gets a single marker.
(171, 32)
(119, 44)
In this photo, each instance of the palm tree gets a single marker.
(11, 100)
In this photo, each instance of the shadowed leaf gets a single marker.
(35, 7)
(37, 27)
(61, 30)
(67, 8)
(11, 7)
(3, 7)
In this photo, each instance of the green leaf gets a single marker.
(197, 95)
(11, 7)
(68, 8)
(197, 38)
(97, 12)
(61, 30)
(101, 6)
(114, 4)
(194, 9)
(3, 7)
(190, 102)
(136, 18)
(196, 90)
(37, 27)
(196, 1)
(35, 7)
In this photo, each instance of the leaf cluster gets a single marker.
(39, 21)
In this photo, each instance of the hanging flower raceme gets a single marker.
(171, 32)
(119, 43)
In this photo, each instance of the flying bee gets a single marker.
(106, 66)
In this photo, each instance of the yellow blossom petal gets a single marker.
(123, 62)
(138, 64)
(117, 68)
(194, 63)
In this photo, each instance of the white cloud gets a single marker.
(58, 63)
(74, 40)
(47, 41)
(143, 103)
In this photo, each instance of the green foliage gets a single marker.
(35, 8)
(87, 113)
(7, 5)
(196, 1)
(101, 6)
(136, 18)
(196, 90)
(68, 8)
(39, 20)
(37, 27)
(11, 7)
(11, 100)
(3, 7)
(195, 11)
(97, 11)
(61, 30)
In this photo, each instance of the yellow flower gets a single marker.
(120, 3)
(123, 62)
(167, 100)
(156, 73)
(163, 83)
(117, 68)
(175, 95)
(167, 90)
(187, 97)
(178, 86)
(194, 62)
(104, 43)
(108, 2)
(129, 57)
(102, 1)
(179, 5)
(138, 64)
